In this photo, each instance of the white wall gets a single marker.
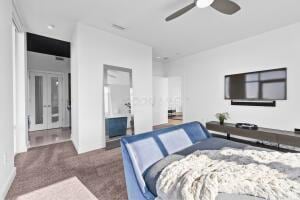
(48, 63)
(158, 69)
(7, 169)
(91, 49)
(45, 62)
(21, 94)
(160, 100)
(203, 78)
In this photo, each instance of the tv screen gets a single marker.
(261, 85)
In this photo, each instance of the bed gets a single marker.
(146, 155)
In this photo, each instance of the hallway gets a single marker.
(49, 136)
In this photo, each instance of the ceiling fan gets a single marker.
(224, 6)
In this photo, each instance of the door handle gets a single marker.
(49, 106)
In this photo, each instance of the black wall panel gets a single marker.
(41, 44)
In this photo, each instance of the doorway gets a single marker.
(167, 102)
(175, 116)
(45, 100)
(46, 109)
(48, 90)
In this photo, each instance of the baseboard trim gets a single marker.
(75, 145)
(8, 184)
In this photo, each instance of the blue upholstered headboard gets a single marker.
(143, 150)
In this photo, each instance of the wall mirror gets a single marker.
(118, 115)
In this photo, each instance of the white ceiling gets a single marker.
(195, 31)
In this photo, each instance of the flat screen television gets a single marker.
(260, 85)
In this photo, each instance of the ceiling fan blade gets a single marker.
(226, 6)
(181, 11)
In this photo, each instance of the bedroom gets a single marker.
(200, 45)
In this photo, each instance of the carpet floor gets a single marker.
(100, 171)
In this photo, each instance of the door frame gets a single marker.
(62, 99)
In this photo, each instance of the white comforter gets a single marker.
(203, 174)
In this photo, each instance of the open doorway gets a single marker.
(175, 116)
(167, 102)
(49, 103)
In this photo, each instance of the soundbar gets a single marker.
(253, 103)
(246, 126)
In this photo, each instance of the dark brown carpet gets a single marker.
(101, 171)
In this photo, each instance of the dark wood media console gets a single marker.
(264, 134)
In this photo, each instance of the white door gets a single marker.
(54, 101)
(160, 100)
(38, 101)
(45, 101)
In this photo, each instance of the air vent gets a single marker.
(121, 28)
(166, 58)
(59, 58)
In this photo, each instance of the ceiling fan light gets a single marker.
(204, 3)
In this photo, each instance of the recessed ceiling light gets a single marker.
(51, 26)
(158, 57)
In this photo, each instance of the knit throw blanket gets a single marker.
(204, 174)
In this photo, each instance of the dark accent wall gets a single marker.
(45, 45)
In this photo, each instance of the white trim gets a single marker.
(17, 17)
(8, 184)
(21, 93)
(75, 144)
(42, 71)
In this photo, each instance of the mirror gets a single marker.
(118, 115)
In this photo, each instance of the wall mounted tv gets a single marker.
(260, 85)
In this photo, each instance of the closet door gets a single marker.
(38, 102)
(54, 100)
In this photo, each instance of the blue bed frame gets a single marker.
(143, 150)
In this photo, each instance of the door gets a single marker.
(54, 91)
(45, 102)
(160, 100)
(37, 101)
